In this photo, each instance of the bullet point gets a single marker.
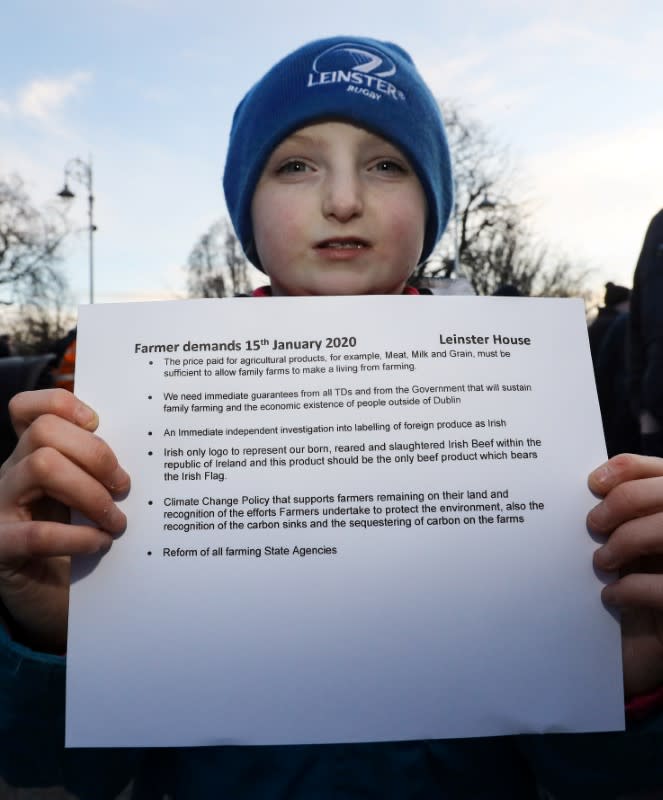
(151, 362)
(149, 502)
(149, 552)
(149, 396)
(149, 433)
(149, 452)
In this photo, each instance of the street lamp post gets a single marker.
(81, 171)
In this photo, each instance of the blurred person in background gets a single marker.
(615, 302)
(645, 347)
(6, 348)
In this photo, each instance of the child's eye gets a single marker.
(293, 167)
(389, 165)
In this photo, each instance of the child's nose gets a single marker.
(342, 197)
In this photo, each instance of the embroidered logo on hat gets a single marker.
(360, 59)
(363, 69)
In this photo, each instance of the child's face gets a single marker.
(338, 211)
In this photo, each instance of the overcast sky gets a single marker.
(148, 88)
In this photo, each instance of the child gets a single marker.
(338, 181)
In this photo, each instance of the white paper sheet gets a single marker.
(431, 453)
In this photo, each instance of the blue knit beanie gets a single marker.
(370, 83)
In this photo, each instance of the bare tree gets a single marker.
(488, 231)
(216, 266)
(503, 252)
(30, 242)
(38, 325)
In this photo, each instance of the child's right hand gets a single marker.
(58, 464)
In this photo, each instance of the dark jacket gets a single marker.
(646, 328)
(620, 425)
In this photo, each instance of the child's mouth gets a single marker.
(342, 244)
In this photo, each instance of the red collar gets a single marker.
(266, 291)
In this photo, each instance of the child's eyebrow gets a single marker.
(299, 137)
(302, 138)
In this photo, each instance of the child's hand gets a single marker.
(58, 464)
(631, 517)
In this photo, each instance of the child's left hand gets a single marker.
(630, 515)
